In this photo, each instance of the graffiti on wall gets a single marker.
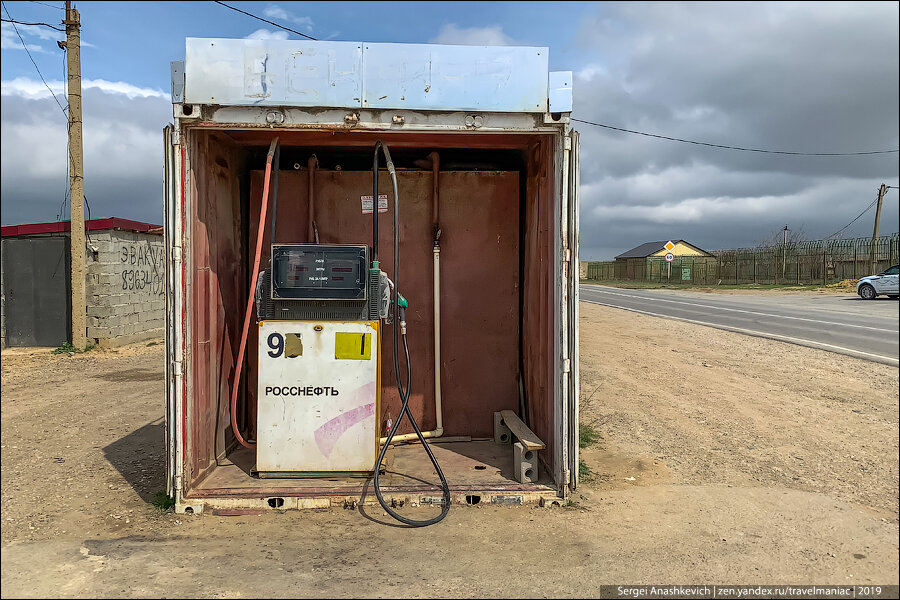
(144, 269)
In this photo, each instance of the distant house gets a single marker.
(682, 248)
(634, 265)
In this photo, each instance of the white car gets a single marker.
(885, 283)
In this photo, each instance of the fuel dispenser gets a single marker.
(318, 385)
(321, 311)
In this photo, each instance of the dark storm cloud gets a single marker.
(809, 77)
(122, 154)
(816, 77)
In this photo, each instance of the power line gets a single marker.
(264, 20)
(45, 4)
(674, 139)
(25, 46)
(868, 208)
(65, 200)
(62, 206)
(28, 23)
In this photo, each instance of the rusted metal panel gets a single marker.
(479, 218)
(227, 283)
(216, 259)
(349, 138)
(540, 298)
(480, 272)
(384, 121)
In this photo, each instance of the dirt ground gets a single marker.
(722, 459)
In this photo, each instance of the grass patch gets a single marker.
(584, 472)
(68, 348)
(154, 344)
(163, 502)
(64, 348)
(587, 435)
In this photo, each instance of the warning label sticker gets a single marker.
(367, 204)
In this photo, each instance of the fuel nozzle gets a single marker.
(403, 304)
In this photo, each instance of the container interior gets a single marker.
(493, 204)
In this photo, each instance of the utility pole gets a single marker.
(76, 177)
(881, 192)
(784, 253)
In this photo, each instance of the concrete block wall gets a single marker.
(126, 287)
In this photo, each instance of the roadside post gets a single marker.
(669, 258)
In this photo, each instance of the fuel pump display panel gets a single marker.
(319, 272)
(318, 397)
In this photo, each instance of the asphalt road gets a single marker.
(865, 329)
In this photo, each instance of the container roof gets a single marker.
(365, 75)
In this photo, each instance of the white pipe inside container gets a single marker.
(408, 437)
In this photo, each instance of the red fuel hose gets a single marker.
(254, 275)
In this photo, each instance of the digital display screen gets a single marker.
(317, 272)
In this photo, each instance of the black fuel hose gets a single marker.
(378, 145)
(400, 330)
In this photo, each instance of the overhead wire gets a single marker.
(10, 20)
(62, 206)
(867, 209)
(87, 231)
(45, 4)
(728, 147)
(13, 22)
(244, 12)
(25, 46)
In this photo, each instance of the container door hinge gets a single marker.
(176, 368)
(568, 143)
(176, 254)
(567, 365)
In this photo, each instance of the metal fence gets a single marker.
(813, 262)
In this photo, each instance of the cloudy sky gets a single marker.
(813, 77)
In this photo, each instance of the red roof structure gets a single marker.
(92, 225)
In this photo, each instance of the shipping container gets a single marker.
(487, 179)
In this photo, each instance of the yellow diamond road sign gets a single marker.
(669, 246)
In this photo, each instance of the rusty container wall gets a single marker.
(215, 296)
(479, 281)
(480, 245)
(505, 232)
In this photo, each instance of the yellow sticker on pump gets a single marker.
(353, 346)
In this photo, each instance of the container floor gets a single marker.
(469, 467)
